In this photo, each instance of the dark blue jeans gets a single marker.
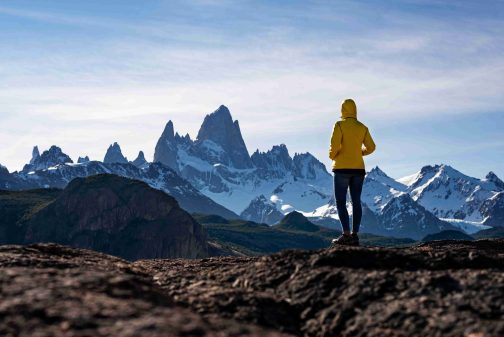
(342, 182)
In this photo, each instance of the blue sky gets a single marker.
(427, 76)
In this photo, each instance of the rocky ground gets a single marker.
(436, 289)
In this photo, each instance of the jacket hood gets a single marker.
(348, 108)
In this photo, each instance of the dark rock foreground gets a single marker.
(442, 288)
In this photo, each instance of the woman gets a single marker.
(346, 151)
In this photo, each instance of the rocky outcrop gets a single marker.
(446, 288)
(119, 216)
(114, 155)
(443, 288)
(51, 290)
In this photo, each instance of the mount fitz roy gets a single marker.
(214, 174)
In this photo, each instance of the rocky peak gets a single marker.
(35, 154)
(49, 158)
(426, 173)
(378, 176)
(428, 169)
(82, 160)
(219, 128)
(114, 155)
(277, 160)
(262, 210)
(306, 166)
(492, 177)
(376, 171)
(4, 172)
(140, 160)
(168, 132)
(167, 147)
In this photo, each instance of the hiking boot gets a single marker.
(343, 240)
(355, 239)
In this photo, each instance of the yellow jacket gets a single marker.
(348, 136)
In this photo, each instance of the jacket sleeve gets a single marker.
(368, 144)
(335, 141)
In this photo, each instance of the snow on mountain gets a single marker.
(218, 164)
(114, 155)
(470, 227)
(49, 158)
(263, 186)
(492, 177)
(273, 164)
(387, 209)
(262, 210)
(156, 175)
(379, 189)
(403, 217)
(327, 210)
(493, 210)
(306, 166)
(450, 194)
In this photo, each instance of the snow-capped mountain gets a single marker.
(387, 210)
(262, 210)
(218, 164)
(493, 210)
(155, 174)
(404, 217)
(454, 196)
(215, 174)
(379, 189)
(49, 158)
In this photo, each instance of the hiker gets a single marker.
(346, 152)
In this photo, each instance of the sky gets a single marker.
(427, 76)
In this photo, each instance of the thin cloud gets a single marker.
(281, 70)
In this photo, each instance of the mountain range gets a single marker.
(214, 174)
